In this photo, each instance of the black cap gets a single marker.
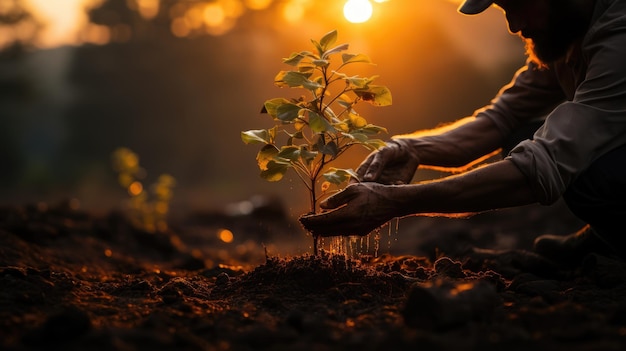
(473, 7)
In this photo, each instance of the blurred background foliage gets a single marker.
(176, 81)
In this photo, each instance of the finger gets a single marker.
(334, 223)
(372, 173)
(364, 166)
(341, 198)
(324, 224)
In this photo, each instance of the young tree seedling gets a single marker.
(317, 128)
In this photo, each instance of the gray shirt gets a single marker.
(584, 99)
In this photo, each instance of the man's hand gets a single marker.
(357, 210)
(393, 164)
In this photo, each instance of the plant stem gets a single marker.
(315, 244)
(313, 199)
(315, 173)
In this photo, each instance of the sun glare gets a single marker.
(66, 23)
(357, 11)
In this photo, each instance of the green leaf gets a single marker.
(361, 135)
(293, 59)
(287, 112)
(309, 54)
(298, 79)
(375, 94)
(339, 175)
(358, 82)
(340, 75)
(256, 136)
(356, 120)
(374, 144)
(356, 136)
(307, 68)
(326, 148)
(278, 79)
(342, 126)
(353, 58)
(290, 152)
(371, 129)
(344, 104)
(318, 46)
(274, 171)
(321, 63)
(335, 50)
(271, 106)
(306, 155)
(266, 155)
(328, 39)
(345, 101)
(319, 124)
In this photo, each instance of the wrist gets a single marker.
(409, 146)
(402, 199)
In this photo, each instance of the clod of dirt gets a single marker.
(445, 304)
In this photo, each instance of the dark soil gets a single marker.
(71, 280)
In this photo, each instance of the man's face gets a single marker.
(549, 27)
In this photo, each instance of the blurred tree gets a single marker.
(155, 19)
(134, 20)
(18, 32)
(18, 28)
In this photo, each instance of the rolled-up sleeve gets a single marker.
(532, 94)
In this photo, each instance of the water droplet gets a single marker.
(376, 241)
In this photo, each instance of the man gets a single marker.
(576, 76)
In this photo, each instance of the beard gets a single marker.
(567, 23)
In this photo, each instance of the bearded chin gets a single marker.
(532, 54)
(568, 23)
(545, 53)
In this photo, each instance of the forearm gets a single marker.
(456, 145)
(498, 185)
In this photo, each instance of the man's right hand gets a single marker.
(357, 210)
(392, 164)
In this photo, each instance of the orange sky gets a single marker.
(63, 18)
(483, 38)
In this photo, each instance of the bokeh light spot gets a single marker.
(148, 9)
(293, 12)
(135, 188)
(213, 15)
(257, 4)
(232, 8)
(178, 10)
(195, 17)
(96, 34)
(180, 27)
(225, 235)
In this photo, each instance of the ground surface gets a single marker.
(70, 280)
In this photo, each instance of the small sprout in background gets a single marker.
(147, 208)
(312, 131)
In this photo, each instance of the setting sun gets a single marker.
(357, 11)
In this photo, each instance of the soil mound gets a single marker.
(74, 281)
